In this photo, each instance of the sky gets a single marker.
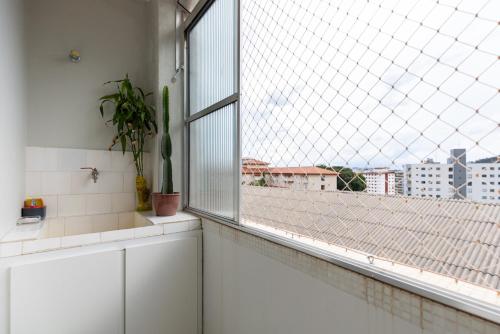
(369, 83)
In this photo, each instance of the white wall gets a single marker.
(255, 286)
(12, 112)
(163, 32)
(63, 97)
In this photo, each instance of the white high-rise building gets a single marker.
(483, 182)
(429, 179)
(380, 181)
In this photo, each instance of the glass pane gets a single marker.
(211, 162)
(212, 56)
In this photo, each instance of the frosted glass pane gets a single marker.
(212, 56)
(211, 175)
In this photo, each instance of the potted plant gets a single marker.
(134, 121)
(166, 202)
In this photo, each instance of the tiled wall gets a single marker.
(75, 204)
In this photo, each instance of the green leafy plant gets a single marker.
(133, 119)
(166, 147)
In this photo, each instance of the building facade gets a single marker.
(259, 173)
(483, 182)
(380, 181)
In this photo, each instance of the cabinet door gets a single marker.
(161, 288)
(80, 294)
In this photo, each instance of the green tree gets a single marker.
(347, 180)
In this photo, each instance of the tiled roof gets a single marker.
(253, 162)
(258, 170)
(450, 237)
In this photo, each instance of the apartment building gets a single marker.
(483, 182)
(257, 172)
(380, 181)
(429, 179)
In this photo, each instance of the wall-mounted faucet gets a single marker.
(94, 173)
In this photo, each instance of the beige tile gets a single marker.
(71, 205)
(126, 220)
(56, 227)
(98, 204)
(102, 223)
(77, 225)
(123, 202)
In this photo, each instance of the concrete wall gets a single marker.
(254, 286)
(12, 112)
(63, 97)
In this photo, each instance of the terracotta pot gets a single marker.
(166, 204)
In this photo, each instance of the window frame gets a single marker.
(198, 12)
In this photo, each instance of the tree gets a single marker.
(347, 180)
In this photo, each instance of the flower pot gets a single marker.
(143, 193)
(166, 204)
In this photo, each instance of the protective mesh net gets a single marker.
(373, 127)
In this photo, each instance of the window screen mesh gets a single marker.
(371, 128)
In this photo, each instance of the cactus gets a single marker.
(166, 147)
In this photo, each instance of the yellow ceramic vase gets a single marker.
(143, 193)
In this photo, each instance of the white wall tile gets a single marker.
(110, 182)
(102, 223)
(33, 246)
(41, 159)
(11, 249)
(148, 231)
(123, 202)
(50, 202)
(121, 163)
(99, 159)
(175, 227)
(117, 235)
(82, 183)
(56, 227)
(80, 240)
(98, 204)
(71, 205)
(77, 225)
(126, 220)
(129, 182)
(33, 182)
(71, 159)
(56, 183)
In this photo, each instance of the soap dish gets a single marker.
(34, 212)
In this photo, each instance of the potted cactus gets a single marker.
(166, 202)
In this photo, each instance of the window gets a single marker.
(325, 87)
(212, 111)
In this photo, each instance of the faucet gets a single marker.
(94, 173)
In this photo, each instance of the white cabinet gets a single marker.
(79, 294)
(162, 287)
